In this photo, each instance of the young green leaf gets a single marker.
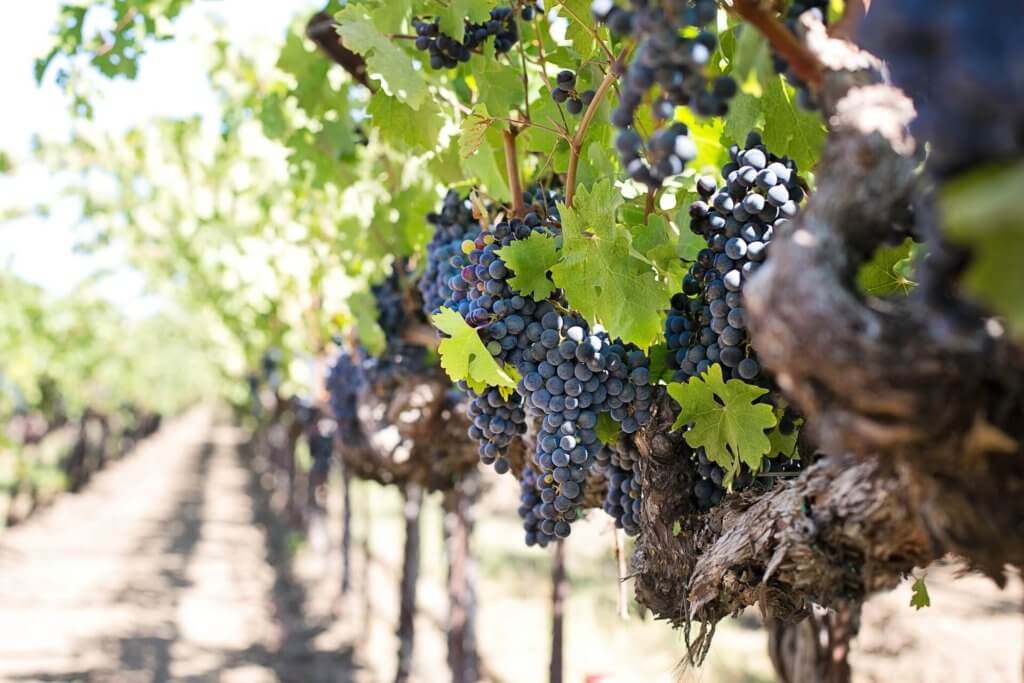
(607, 429)
(530, 260)
(919, 594)
(724, 419)
(882, 276)
(464, 356)
(602, 276)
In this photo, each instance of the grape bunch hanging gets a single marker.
(761, 195)
(447, 53)
(571, 374)
(666, 57)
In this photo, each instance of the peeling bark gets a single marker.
(920, 410)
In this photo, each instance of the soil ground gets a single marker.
(172, 565)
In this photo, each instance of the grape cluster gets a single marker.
(564, 92)
(320, 436)
(761, 194)
(344, 381)
(529, 509)
(453, 225)
(496, 421)
(500, 314)
(624, 492)
(446, 52)
(781, 66)
(672, 56)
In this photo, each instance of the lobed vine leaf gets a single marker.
(530, 260)
(464, 356)
(384, 59)
(724, 419)
(601, 273)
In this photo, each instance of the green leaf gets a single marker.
(707, 133)
(452, 15)
(657, 241)
(530, 260)
(677, 527)
(472, 131)
(388, 15)
(601, 274)
(500, 85)
(724, 419)
(364, 310)
(576, 13)
(882, 276)
(657, 364)
(919, 594)
(402, 127)
(979, 210)
(384, 59)
(788, 129)
(607, 429)
(743, 117)
(783, 444)
(464, 356)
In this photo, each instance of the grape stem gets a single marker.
(515, 186)
(803, 63)
(576, 144)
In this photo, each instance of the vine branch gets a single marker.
(576, 144)
(803, 62)
(508, 137)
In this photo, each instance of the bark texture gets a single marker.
(918, 408)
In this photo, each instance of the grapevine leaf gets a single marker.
(744, 115)
(388, 15)
(401, 126)
(607, 429)
(474, 128)
(601, 275)
(530, 260)
(752, 62)
(364, 310)
(725, 420)
(783, 444)
(656, 240)
(500, 85)
(452, 15)
(658, 367)
(576, 12)
(383, 58)
(919, 594)
(707, 134)
(881, 275)
(979, 210)
(677, 527)
(788, 129)
(464, 356)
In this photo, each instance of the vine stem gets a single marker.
(515, 186)
(576, 144)
(804, 64)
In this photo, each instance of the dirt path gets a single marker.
(160, 570)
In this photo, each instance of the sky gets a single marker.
(172, 82)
